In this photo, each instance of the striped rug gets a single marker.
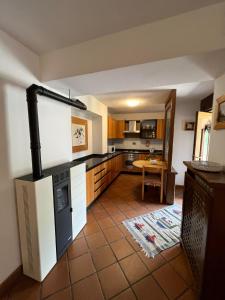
(156, 231)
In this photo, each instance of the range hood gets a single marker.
(132, 127)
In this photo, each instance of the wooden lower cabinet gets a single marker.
(89, 187)
(100, 177)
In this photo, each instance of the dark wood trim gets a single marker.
(195, 134)
(206, 104)
(7, 284)
(169, 186)
(180, 186)
(170, 104)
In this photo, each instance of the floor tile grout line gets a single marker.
(178, 297)
(68, 265)
(96, 273)
(150, 273)
(157, 283)
(129, 285)
(61, 289)
(188, 284)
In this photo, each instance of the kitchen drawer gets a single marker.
(108, 165)
(100, 190)
(108, 178)
(99, 168)
(100, 182)
(101, 174)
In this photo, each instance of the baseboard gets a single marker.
(179, 186)
(7, 284)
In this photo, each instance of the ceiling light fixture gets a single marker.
(133, 103)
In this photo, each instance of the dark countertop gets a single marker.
(91, 161)
(213, 179)
(94, 160)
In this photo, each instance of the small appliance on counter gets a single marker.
(111, 149)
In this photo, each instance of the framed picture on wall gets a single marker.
(220, 113)
(79, 134)
(189, 126)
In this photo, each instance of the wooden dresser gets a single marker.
(203, 231)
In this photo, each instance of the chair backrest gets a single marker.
(151, 170)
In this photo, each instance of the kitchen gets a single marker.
(94, 197)
(93, 139)
(73, 190)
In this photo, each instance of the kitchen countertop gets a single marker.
(94, 160)
(91, 161)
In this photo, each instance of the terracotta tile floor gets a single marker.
(104, 262)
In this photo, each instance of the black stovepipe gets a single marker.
(35, 145)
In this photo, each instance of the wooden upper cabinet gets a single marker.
(110, 128)
(160, 129)
(120, 127)
(115, 128)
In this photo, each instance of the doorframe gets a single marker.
(171, 103)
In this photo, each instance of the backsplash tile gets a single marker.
(135, 143)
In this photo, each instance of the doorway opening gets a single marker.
(202, 136)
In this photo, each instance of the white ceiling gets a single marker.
(148, 101)
(52, 24)
(192, 76)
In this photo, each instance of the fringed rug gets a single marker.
(156, 231)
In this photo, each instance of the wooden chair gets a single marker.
(152, 177)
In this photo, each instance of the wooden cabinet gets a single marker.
(120, 127)
(115, 128)
(111, 128)
(89, 187)
(203, 230)
(101, 176)
(160, 129)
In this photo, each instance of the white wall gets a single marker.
(217, 140)
(19, 68)
(139, 116)
(183, 140)
(150, 42)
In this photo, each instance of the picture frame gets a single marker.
(79, 131)
(189, 126)
(220, 113)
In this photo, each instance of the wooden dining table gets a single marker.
(154, 166)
